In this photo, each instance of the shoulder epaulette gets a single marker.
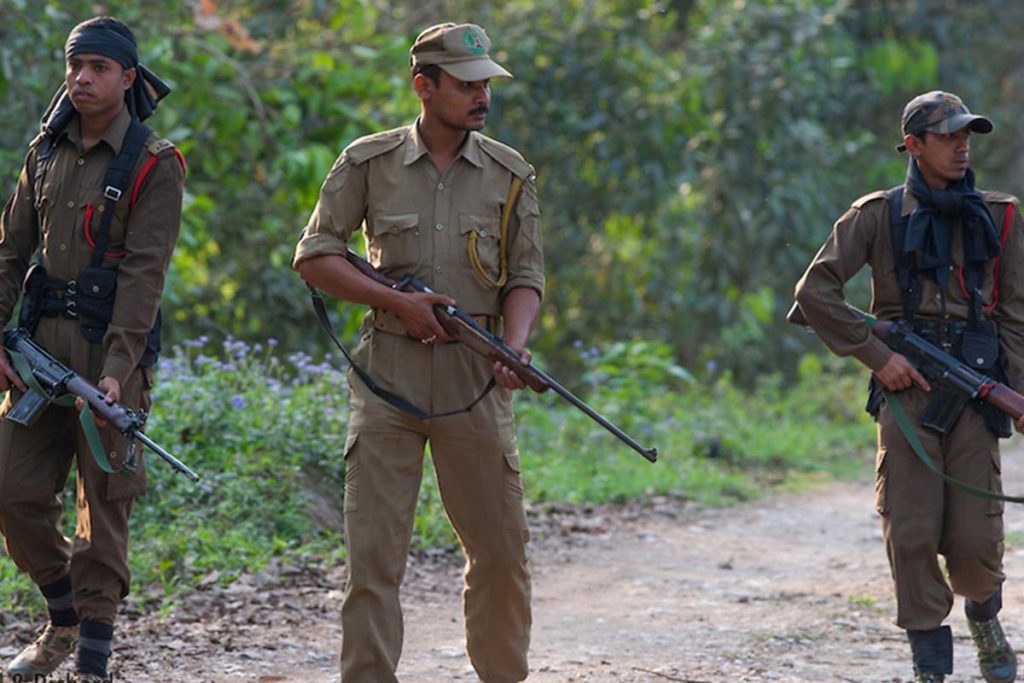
(868, 198)
(506, 156)
(999, 198)
(157, 145)
(36, 140)
(370, 146)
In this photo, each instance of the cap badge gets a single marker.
(473, 42)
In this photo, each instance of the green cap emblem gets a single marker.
(473, 42)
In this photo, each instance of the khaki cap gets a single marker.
(939, 112)
(459, 49)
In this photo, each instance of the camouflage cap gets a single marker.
(939, 112)
(459, 49)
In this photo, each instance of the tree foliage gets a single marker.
(691, 155)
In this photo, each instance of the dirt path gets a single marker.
(791, 588)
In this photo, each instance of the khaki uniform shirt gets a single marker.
(862, 236)
(141, 242)
(417, 222)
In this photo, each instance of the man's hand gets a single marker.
(417, 314)
(898, 374)
(1019, 424)
(506, 377)
(112, 390)
(8, 375)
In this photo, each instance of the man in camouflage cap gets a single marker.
(459, 211)
(940, 112)
(949, 261)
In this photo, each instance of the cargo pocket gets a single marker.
(351, 503)
(995, 483)
(394, 241)
(515, 511)
(122, 484)
(881, 505)
(481, 236)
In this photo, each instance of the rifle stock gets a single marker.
(463, 328)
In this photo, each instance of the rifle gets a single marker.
(461, 327)
(937, 366)
(57, 380)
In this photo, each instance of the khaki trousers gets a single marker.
(34, 466)
(923, 517)
(477, 466)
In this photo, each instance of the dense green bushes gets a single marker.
(690, 155)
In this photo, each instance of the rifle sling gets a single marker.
(907, 428)
(391, 398)
(85, 417)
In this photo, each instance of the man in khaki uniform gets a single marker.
(430, 198)
(57, 218)
(949, 260)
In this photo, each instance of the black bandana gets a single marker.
(930, 229)
(98, 40)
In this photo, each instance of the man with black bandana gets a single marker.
(948, 259)
(84, 238)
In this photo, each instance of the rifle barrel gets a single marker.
(650, 454)
(159, 450)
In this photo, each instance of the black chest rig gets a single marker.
(974, 341)
(90, 297)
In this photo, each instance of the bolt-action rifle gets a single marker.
(937, 366)
(57, 380)
(460, 326)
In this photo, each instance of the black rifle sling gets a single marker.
(391, 398)
(115, 183)
(906, 264)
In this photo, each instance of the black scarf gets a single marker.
(930, 229)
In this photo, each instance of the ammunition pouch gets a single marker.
(89, 299)
(977, 345)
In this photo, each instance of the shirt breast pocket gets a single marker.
(481, 235)
(394, 241)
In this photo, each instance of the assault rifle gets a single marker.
(937, 366)
(460, 326)
(58, 380)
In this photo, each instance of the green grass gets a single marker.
(266, 434)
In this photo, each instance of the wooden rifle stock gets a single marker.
(463, 328)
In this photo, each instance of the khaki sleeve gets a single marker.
(820, 291)
(525, 252)
(339, 212)
(150, 235)
(1009, 311)
(19, 238)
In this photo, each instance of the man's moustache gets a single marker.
(480, 110)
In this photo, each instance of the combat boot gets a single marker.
(46, 654)
(996, 659)
(928, 677)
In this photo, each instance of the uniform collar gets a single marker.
(414, 147)
(113, 136)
